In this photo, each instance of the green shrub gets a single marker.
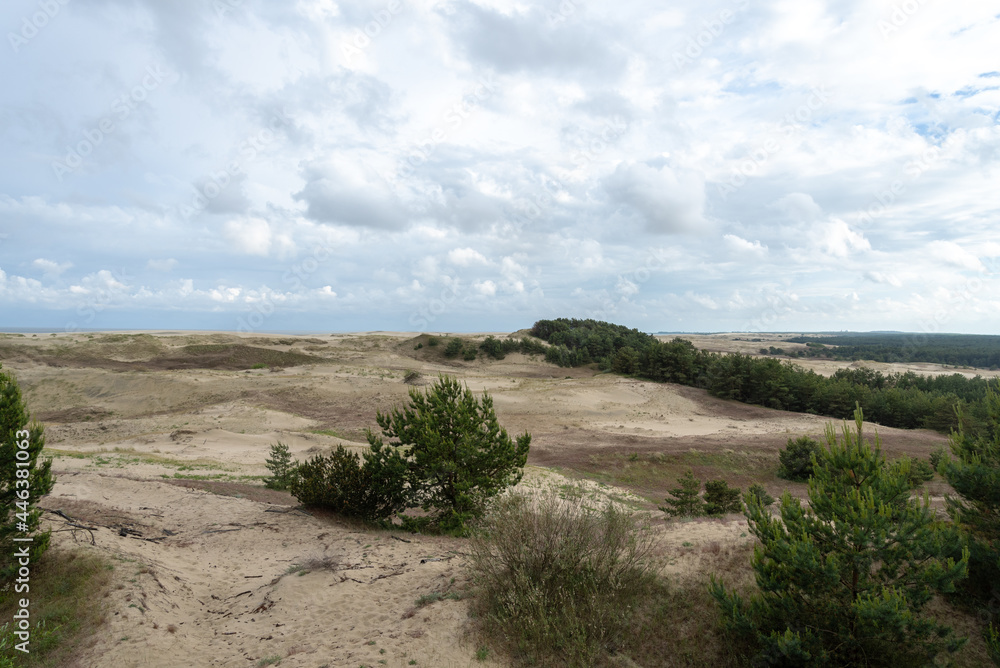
(558, 582)
(373, 490)
(758, 494)
(458, 454)
(23, 479)
(920, 472)
(469, 354)
(433, 341)
(974, 473)
(685, 501)
(281, 466)
(843, 581)
(936, 457)
(720, 498)
(797, 458)
(454, 348)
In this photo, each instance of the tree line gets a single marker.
(981, 351)
(906, 400)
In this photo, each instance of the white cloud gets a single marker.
(50, 268)
(740, 245)
(401, 180)
(251, 236)
(488, 288)
(465, 257)
(838, 239)
(951, 253)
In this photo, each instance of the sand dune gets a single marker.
(214, 570)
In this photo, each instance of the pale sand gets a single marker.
(133, 429)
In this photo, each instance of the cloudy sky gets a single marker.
(457, 165)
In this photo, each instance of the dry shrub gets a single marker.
(558, 581)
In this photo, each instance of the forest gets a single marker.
(904, 400)
(982, 351)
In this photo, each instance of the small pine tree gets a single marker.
(975, 476)
(842, 582)
(758, 494)
(23, 479)
(372, 487)
(459, 455)
(281, 466)
(797, 458)
(685, 501)
(720, 498)
(454, 348)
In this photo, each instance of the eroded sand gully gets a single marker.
(214, 570)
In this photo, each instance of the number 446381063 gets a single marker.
(23, 462)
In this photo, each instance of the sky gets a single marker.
(423, 165)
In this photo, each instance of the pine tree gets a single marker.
(459, 455)
(720, 498)
(23, 480)
(686, 502)
(843, 582)
(975, 476)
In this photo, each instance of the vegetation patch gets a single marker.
(67, 609)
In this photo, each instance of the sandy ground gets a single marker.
(159, 440)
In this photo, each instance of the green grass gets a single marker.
(651, 474)
(67, 608)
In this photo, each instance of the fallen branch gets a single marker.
(402, 540)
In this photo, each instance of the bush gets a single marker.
(411, 377)
(797, 458)
(558, 582)
(373, 490)
(936, 457)
(23, 480)
(920, 472)
(758, 494)
(433, 341)
(469, 354)
(974, 474)
(720, 498)
(454, 348)
(842, 582)
(686, 502)
(458, 454)
(281, 466)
